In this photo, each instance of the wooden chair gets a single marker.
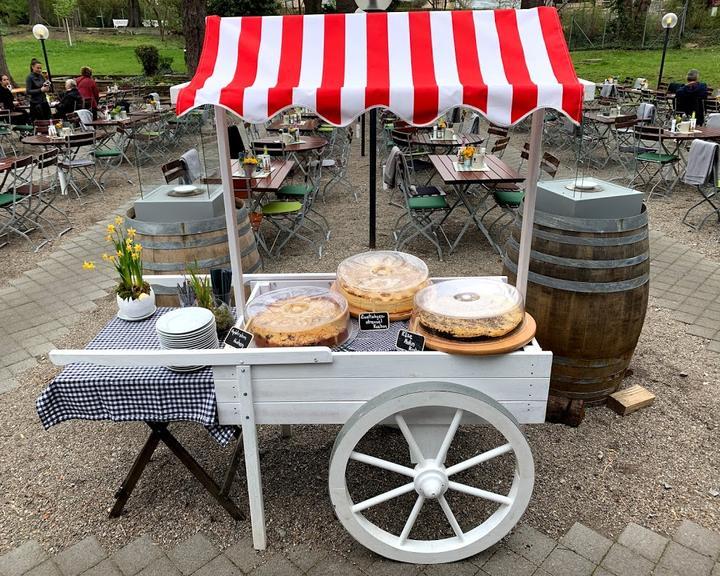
(42, 126)
(498, 148)
(174, 170)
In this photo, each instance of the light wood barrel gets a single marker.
(170, 247)
(588, 287)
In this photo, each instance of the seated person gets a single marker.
(690, 98)
(7, 100)
(70, 101)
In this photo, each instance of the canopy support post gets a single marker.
(528, 217)
(221, 125)
(373, 174)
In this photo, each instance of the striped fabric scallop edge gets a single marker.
(504, 64)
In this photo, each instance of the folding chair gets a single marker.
(712, 121)
(44, 190)
(507, 197)
(708, 188)
(174, 170)
(6, 133)
(425, 211)
(653, 161)
(15, 208)
(499, 146)
(42, 126)
(498, 132)
(73, 163)
(337, 159)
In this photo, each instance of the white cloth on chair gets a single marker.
(390, 169)
(86, 118)
(713, 121)
(191, 159)
(702, 161)
(646, 112)
(607, 90)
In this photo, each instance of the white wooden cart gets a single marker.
(513, 63)
(427, 394)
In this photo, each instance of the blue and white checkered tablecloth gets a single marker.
(138, 393)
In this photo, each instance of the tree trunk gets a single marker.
(194, 12)
(346, 6)
(134, 20)
(160, 21)
(34, 11)
(531, 3)
(313, 6)
(3, 65)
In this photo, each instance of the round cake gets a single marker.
(381, 281)
(469, 309)
(298, 316)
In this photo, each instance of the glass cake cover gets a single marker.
(469, 308)
(299, 316)
(382, 280)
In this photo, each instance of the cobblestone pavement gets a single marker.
(691, 551)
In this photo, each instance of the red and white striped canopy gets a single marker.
(504, 64)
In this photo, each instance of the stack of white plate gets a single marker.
(187, 328)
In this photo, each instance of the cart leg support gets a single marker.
(252, 459)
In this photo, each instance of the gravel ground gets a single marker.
(654, 467)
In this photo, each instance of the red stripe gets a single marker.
(425, 102)
(327, 97)
(377, 92)
(206, 65)
(475, 90)
(561, 62)
(525, 93)
(247, 64)
(280, 96)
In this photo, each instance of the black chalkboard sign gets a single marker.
(374, 321)
(238, 338)
(410, 341)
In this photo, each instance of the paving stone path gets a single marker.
(691, 551)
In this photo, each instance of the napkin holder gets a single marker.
(286, 138)
(684, 127)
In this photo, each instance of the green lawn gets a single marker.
(104, 54)
(596, 65)
(110, 54)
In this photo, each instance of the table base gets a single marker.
(159, 434)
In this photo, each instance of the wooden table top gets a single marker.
(43, 140)
(499, 172)
(425, 139)
(308, 125)
(701, 132)
(611, 119)
(271, 183)
(307, 143)
(117, 122)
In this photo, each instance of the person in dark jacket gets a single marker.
(691, 97)
(36, 89)
(70, 101)
(7, 100)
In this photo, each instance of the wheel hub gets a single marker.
(430, 480)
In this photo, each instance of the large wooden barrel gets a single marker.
(170, 247)
(588, 288)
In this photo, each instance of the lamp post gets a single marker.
(41, 33)
(372, 6)
(669, 21)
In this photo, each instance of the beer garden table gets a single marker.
(498, 172)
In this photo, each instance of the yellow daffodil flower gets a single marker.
(111, 228)
(108, 238)
(131, 232)
(106, 257)
(88, 265)
(118, 220)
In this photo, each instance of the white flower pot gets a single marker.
(141, 307)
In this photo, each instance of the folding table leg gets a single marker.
(234, 463)
(191, 464)
(127, 486)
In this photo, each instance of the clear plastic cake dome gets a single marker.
(298, 316)
(469, 308)
(382, 280)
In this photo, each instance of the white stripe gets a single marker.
(499, 104)
(255, 101)
(402, 92)
(352, 99)
(311, 67)
(446, 73)
(538, 59)
(225, 63)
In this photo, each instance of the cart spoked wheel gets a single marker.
(424, 511)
